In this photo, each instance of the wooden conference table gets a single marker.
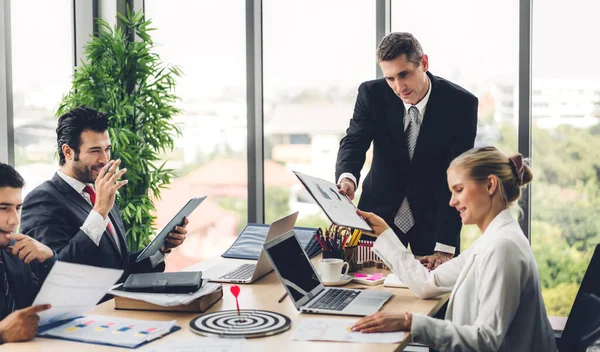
(262, 294)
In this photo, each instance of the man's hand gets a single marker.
(384, 322)
(22, 324)
(177, 236)
(28, 249)
(436, 259)
(377, 224)
(107, 185)
(347, 187)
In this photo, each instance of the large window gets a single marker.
(477, 48)
(207, 40)
(566, 146)
(316, 54)
(42, 65)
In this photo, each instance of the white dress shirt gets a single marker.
(495, 302)
(95, 225)
(421, 106)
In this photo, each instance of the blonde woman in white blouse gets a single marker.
(495, 302)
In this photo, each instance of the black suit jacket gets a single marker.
(448, 129)
(24, 280)
(53, 213)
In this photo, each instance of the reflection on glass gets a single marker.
(42, 65)
(312, 70)
(565, 109)
(207, 40)
(582, 329)
(479, 52)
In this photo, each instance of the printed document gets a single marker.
(111, 331)
(338, 208)
(73, 290)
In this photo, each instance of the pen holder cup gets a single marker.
(350, 258)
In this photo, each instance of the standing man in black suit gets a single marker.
(75, 214)
(24, 264)
(418, 123)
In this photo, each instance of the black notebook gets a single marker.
(180, 282)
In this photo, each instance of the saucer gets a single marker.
(344, 280)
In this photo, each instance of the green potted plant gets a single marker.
(125, 79)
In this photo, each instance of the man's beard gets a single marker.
(84, 173)
(4, 242)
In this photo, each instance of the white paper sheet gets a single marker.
(339, 330)
(201, 344)
(393, 281)
(73, 290)
(111, 331)
(168, 299)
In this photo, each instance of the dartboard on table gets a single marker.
(250, 323)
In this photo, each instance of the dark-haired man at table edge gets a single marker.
(24, 264)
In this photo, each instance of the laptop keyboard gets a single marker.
(335, 299)
(243, 272)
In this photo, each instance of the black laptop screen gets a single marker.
(294, 268)
(583, 325)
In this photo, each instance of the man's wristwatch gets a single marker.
(167, 251)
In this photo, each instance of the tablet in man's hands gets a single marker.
(177, 220)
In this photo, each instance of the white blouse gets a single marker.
(496, 302)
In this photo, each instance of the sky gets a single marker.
(315, 43)
(42, 51)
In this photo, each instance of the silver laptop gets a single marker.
(305, 288)
(229, 270)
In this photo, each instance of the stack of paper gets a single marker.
(369, 279)
(111, 331)
(167, 299)
(393, 281)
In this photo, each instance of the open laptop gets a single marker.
(305, 288)
(229, 270)
(582, 329)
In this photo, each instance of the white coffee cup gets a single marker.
(331, 269)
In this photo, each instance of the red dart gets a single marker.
(235, 290)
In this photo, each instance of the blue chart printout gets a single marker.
(111, 331)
